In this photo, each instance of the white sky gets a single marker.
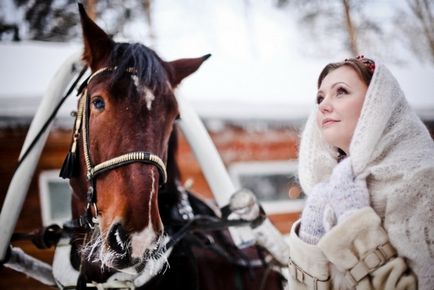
(257, 68)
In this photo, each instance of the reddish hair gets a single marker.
(364, 67)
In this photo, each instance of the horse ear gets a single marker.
(97, 44)
(184, 67)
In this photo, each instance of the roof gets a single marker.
(258, 70)
(263, 90)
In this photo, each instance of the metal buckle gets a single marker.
(93, 210)
(372, 261)
(305, 278)
(387, 250)
(299, 275)
(375, 259)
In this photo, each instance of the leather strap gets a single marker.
(369, 263)
(307, 279)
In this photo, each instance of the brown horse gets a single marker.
(126, 204)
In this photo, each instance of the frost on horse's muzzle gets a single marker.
(118, 249)
(117, 239)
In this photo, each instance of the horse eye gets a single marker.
(98, 103)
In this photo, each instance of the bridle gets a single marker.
(188, 226)
(89, 219)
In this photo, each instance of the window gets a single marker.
(271, 181)
(55, 197)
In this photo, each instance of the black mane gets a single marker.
(150, 69)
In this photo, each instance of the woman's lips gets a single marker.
(327, 122)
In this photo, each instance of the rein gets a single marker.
(205, 223)
(50, 119)
(69, 168)
(192, 227)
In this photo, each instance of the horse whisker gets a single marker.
(97, 251)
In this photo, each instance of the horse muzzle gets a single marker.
(134, 248)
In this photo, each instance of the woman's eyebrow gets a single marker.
(335, 84)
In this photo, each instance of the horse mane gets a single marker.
(149, 67)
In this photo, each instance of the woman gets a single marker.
(366, 162)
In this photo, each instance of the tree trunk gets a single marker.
(352, 33)
(148, 13)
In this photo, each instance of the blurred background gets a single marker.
(264, 51)
(253, 94)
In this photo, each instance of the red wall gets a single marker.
(233, 143)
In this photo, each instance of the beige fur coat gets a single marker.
(393, 150)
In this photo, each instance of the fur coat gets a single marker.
(394, 151)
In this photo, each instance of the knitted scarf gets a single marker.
(394, 151)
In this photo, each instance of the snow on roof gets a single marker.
(256, 71)
(25, 73)
(263, 90)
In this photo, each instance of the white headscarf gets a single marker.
(394, 151)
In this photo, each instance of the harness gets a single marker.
(190, 225)
(69, 168)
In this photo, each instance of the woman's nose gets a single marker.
(325, 106)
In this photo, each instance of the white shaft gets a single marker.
(212, 166)
(21, 262)
(20, 183)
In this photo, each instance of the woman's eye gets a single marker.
(98, 103)
(341, 91)
(319, 99)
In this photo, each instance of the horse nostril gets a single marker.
(118, 238)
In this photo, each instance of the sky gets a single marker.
(258, 68)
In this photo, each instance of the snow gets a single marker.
(27, 67)
(257, 70)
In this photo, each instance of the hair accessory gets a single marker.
(369, 63)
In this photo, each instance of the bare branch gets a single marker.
(422, 10)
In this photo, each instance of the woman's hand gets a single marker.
(347, 194)
(311, 228)
(332, 202)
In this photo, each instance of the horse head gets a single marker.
(126, 116)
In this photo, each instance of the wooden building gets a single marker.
(248, 142)
(237, 143)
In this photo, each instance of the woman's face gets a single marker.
(340, 99)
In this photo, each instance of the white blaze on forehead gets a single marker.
(149, 95)
(135, 80)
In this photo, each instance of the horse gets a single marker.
(127, 203)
